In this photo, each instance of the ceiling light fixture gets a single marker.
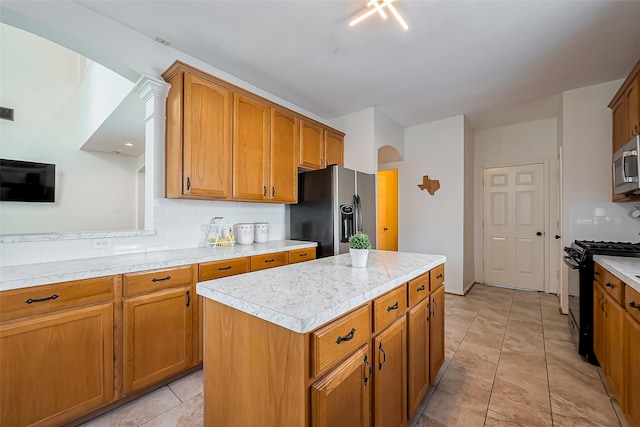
(378, 6)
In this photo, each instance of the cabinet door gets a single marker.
(599, 345)
(417, 354)
(436, 332)
(632, 370)
(334, 148)
(251, 128)
(389, 378)
(207, 138)
(615, 356)
(631, 108)
(157, 342)
(56, 367)
(311, 146)
(342, 397)
(285, 137)
(619, 128)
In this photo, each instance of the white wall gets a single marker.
(588, 211)
(468, 277)
(434, 224)
(359, 151)
(522, 143)
(49, 126)
(387, 133)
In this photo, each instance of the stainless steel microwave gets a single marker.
(626, 165)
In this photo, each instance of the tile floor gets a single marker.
(510, 361)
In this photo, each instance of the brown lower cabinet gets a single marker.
(436, 333)
(417, 354)
(390, 376)
(632, 369)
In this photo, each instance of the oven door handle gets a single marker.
(571, 263)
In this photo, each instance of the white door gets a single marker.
(514, 226)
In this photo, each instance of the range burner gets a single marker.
(609, 248)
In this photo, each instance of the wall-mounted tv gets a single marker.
(27, 181)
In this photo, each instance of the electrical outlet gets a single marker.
(100, 243)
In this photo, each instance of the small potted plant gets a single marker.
(359, 246)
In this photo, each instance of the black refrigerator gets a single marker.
(333, 204)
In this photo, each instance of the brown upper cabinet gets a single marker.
(625, 109)
(225, 143)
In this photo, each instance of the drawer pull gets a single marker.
(304, 254)
(224, 268)
(368, 365)
(270, 260)
(633, 304)
(155, 279)
(384, 357)
(609, 285)
(31, 300)
(347, 337)
(597, 273)
(392, 307)
(421, 288)
(439, 276)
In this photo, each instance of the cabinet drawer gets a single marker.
(338, 339)
(140, 283)
(632, 302)
(610, 283)
(43, 299)
(436, 277)
(218, 269)
(261, 262)
(300, 255)
(388, 307)
(418, 289)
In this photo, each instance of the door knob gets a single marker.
(539, 233)
(385, 229)
(557, 236)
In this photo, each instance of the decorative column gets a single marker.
(154, 93)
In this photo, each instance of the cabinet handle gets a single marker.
(439, 276)
(368, 369)
(392, 307)
(436, 307)
(264, 193)
(188, 298)
(597, 273)
(428, 312)
(633, 304)
(384, 357)
(606, 301)
(224, 268)
(609, 285)
(31, 300)
(269, 260)
(162, 279)
(273, 191)
(347, 337)
(421, 288)
(188, 183)
(304, 254)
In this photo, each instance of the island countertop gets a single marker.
(626, 269)
(303, 296)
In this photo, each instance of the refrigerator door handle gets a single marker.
(358, 213)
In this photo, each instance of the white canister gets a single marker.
(245, 234)
(261, 232)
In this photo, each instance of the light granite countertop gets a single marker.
(303, 296)
(27, 275)
(626, 269)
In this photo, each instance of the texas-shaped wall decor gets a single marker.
(431, 185)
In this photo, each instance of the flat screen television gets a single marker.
(22, 181)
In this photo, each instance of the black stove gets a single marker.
(579, 258)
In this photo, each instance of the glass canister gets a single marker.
(261, 232)
(245, 233)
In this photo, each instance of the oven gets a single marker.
(579, 260)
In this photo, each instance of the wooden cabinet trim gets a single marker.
(217, 269)
(155, 280)
(632, 302)
(436, 277)
(388, 307)
(275, 259)
(300, 255)
(417, 289)
(613, 286)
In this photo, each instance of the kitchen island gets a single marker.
(308, 344)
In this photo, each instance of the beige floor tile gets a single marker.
(550, 300)
(469, 304)
(502, 304)
(495, 419)
(581, 395)
(521, 397)
(526, 315)
(563, 354)
(499, 315)
(529, 305)
(189, 386)
(139, 411)
(552, 312)
(476, 296)
(523, 331)
(460, 402)
(482, 323)
(188, 414)
(425, 421)
(523, 357)
(491, 339)
(556, 330)
(460, 317)
(565, 418)
(497, 290)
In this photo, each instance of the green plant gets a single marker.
(359, 240)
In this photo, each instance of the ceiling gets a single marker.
(484, 59)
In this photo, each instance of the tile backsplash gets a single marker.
(605, 221)
(178, 224)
